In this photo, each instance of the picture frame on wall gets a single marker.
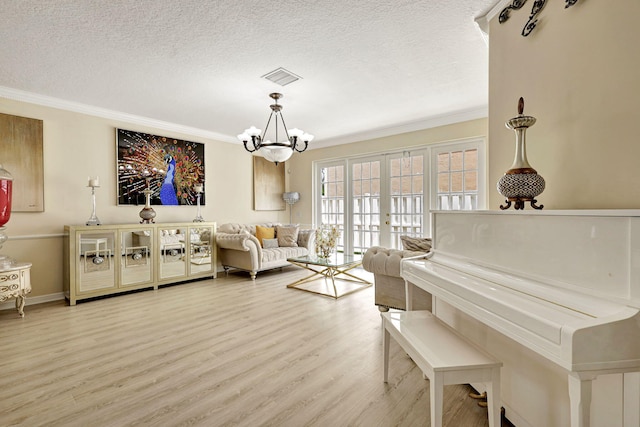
(169, 167)
(21, 154)
(268, 185)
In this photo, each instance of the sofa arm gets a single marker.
(379, 260)
(307, 239)
(238, 242)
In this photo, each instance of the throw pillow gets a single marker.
(269, 243)
(416, 243)
(287, 236)
(264, 233)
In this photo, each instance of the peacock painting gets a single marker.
(168, 167)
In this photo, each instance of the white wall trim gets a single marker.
(41, 299)
(48, 101)
(37, 236)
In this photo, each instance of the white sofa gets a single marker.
(239, 248)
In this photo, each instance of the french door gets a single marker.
(374, 200)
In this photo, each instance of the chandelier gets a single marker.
(278, 151)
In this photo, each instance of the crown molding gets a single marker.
(483, 20)
(432, 122)
(76, 107)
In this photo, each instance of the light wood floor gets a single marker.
(224, 352)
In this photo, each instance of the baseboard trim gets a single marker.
(40, 299)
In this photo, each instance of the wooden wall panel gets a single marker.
(268, 185)
(21, 154)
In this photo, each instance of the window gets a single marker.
(378, 198)
(457, 171)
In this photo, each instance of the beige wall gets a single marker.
(77, 146)
(578, 74)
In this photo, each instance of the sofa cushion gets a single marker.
(419, 244)
(280, 255)
(287, 236)
(269, 243)
(265, 233)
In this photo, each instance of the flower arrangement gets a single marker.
(326, 240)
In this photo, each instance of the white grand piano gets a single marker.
(563, 284)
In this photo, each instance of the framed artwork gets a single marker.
(268, 185)
(170, 167)
(21, 155)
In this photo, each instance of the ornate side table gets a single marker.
(15, 282)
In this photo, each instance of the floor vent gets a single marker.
(281, 76)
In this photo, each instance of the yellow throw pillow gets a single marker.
(265, 233)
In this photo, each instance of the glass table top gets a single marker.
(336, 260)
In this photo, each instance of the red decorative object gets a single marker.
(6, 183)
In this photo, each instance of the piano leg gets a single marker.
(386, 337)
(580, 398)
(408, 291)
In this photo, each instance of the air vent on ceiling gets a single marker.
(281, 76)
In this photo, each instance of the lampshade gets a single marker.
(291, 197)
(276, 154)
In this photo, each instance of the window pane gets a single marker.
(471, 181)
(375, 187)
(406, 166)
(395, 167)
(443, 162)
(456, 161)
(366, 170)
(331, 174)
(471, 159)
(357, 171)
(443, 182)
(357, 188)
(375, 170)
(406, 185)
(417, 184)
(417, 167)
(395, 185)
(366, 187)
(456, 181)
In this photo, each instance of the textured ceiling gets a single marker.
(368, 67)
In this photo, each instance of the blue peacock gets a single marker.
(168, 190)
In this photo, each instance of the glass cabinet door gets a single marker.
(200, 249)
(172, 245)
(96, 264)
(136, 264)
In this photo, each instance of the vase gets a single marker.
(6, 186)
(147, 213)
(521, 183)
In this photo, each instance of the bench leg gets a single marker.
(493, 399)
(386, 337)
(436, 390)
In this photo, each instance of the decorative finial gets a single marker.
(521, 106)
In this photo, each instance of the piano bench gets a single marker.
(444, 357)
